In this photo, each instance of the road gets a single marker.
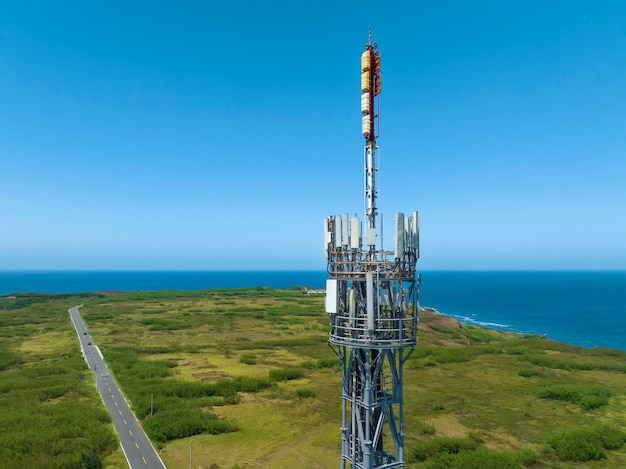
(139, 452)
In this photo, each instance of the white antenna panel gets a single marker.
(365, 125)
(338, 231)
(399, 236)
(407, 233)
(355, 233)
(416, 234)
(332, 296)
(369, 292)
(365, 103)
(345, 230)
(370, 237)
(327, 236)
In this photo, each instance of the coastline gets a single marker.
(581, 308)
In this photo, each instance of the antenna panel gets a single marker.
(355, 233)
(365, 103)
(370, 237)
(369, 292)
(338, 231)
(327, 236)
(332, 296)
(345, 230)
(365, 82)
(407, 233)
(366, 59)
(399, 237)
(416, 234)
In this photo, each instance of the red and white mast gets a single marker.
(371, 87)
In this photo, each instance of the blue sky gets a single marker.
(204, 135)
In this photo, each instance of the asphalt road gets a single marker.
(139, 452)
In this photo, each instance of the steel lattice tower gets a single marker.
(372, 297)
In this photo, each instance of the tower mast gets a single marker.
(372, 298)
(371, 87)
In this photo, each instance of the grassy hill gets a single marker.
(248, 375)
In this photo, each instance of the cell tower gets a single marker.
(372, 297)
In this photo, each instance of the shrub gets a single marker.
(430, 356)
(480, 335)
(424, 450)
(586, 444)
(328, 363)
(218, 426)
(425, 428)
(517, 349)
(612, 438)
(321, 363)
(248, 359)
(185, 421)
(250, 384)
(159, 324)
(90, 461)
(483, 458)
(269, 344)
(576, 445)
(286, 374)
(586, 396)
(305, 393)
(556, 362)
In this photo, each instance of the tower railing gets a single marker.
(391, 332)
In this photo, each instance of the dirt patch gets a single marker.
(438, 320)
(210, 377)
(205, 367)
(448, 425)
(500, 440)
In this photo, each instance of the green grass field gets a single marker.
(248, 376)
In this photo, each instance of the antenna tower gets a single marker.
(372, 298)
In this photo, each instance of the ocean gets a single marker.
(582, 308)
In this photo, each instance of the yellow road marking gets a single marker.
(131, 433)
(125, 422)
(115, 403)
(136, 445)
(120, 412)
(144, 460)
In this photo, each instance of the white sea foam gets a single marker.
(469, 320)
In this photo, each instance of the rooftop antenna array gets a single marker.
(372, 298)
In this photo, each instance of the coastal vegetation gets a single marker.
(248, 375)
(51, 415)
